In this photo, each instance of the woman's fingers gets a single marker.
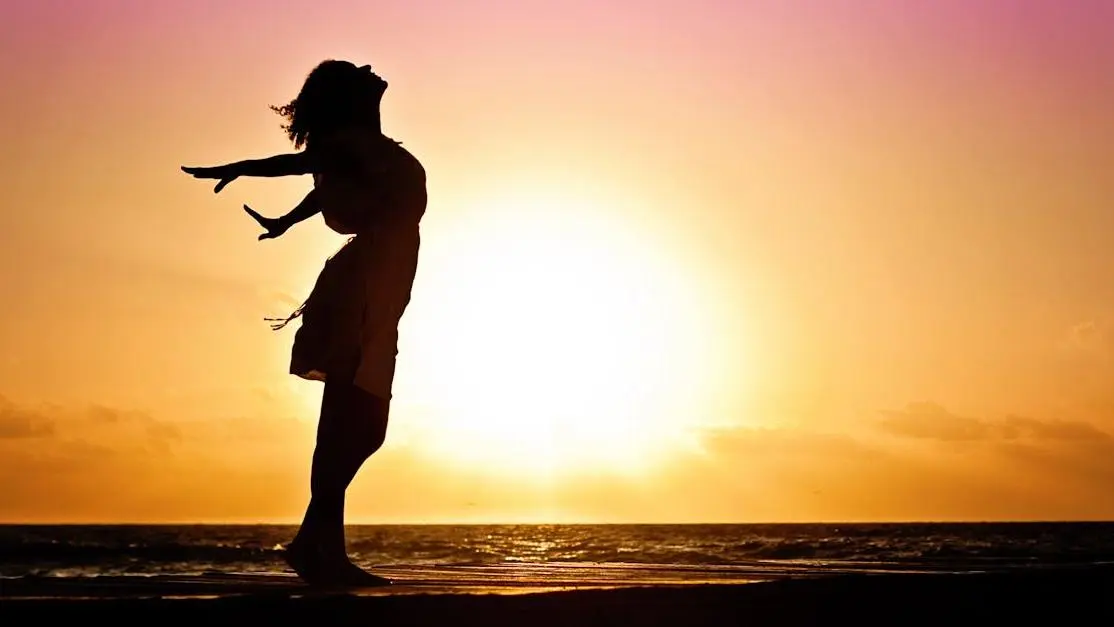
(254, 214)
(201, 172)
(216, 172)
(266, 223)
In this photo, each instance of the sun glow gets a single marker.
(554, 340)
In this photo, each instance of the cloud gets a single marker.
(159, 434)
(90, 424)
(922, 462)
(1064, 430)
(1065, 467)
(17, 422)
(105, 463)
(65, 437)
(929, 421)
(750, 443)
(1089, 337)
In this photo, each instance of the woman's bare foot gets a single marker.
(310, 562)
(301, 560)
(317, 568)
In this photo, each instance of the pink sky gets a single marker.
(878, 209)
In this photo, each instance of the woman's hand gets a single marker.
(274, 226)
(224, 173)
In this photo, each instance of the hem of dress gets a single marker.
(318, 375)
(311, 375)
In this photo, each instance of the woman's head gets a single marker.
(334, 95)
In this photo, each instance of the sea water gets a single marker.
(578, 553)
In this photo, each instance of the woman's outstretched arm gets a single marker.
(279, 165)
(275, 227)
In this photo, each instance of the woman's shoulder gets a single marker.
(368, 151)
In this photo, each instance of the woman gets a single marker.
(365, 185)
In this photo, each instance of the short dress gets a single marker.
(349, 323)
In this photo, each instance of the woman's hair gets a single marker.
(330, 98)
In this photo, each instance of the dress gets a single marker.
(349, 323)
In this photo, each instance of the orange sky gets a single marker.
(683, 261)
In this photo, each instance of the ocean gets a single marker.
(577, 553)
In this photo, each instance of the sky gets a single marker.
(683, 261)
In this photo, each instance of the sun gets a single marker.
(552, 339)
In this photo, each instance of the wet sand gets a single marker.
(1060, 597)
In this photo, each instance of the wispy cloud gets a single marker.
(929, 421)
(19, 422)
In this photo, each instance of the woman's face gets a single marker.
(375, 82)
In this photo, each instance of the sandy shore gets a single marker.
(1068, 597)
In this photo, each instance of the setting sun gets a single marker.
(561, 341)
(734, 261)
(607, 312)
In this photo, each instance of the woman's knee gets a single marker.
(375, 440)
(356, 418)
(373, 413)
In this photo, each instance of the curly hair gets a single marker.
(335, 94)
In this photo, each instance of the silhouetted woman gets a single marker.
(368, 186)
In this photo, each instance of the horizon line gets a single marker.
(217, 523)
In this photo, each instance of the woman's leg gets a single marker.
(353, 425)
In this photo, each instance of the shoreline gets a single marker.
(1062, 596)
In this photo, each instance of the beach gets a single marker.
(1070, 596)
(539, 575)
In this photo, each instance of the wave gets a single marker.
(152, 549)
